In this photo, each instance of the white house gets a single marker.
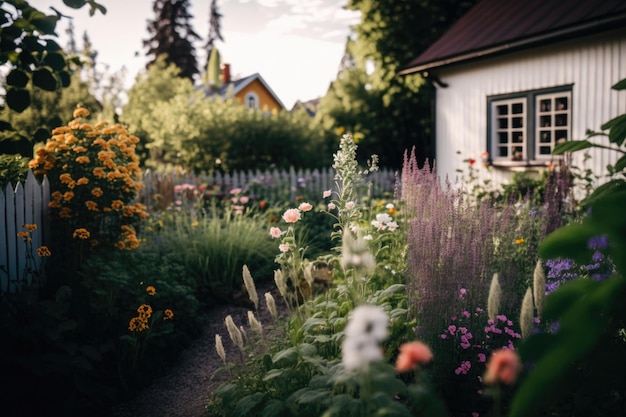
(514, 77)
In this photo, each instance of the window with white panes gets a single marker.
(554, 126)
(525, 127)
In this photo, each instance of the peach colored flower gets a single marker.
(411, 355)
(291, 215)
(350, 205)
(283, 247)
(275, 232)
(305, 207)
(503, 366)
(326, 194)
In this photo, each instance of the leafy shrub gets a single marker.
(13, 169)
(92, 171)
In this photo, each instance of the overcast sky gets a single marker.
(296, 45)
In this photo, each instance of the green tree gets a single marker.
(36, 64)
(185, 127)
(215, 30)
(391, 113)
(171, 34)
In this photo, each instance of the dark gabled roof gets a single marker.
(494, 27)
(309, 106)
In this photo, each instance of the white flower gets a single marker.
(378, 225)
(389, 206)
(366, 328)
(331, 206)
(383, 218)
(350, 205)
(392, 226)
(326, 193)
(367, 237)
(368, 321)
(358, 352)
(283, 247)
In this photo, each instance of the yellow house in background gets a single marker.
(251, 91)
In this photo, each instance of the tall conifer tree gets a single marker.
(171, 34)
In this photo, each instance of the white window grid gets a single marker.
(553, 122)
(509, 127)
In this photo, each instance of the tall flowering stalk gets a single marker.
(348, 176)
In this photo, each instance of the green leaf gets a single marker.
(74, 4)
(17, 78)
(309, 396)
(274, 373)
(619, 122)
(287, 355)
(246, 404)
(273, 408)
(54, 60)
(45, 24)
(313, 322)
(65, 78)
(45, 79)
(620, 85)
(17, 99)
(570, 241)
(620, 165)
(571, 146)
(390, 291)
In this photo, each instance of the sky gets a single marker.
(295, 45)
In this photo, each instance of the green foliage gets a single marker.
(36, 64)
(13, 169)
(390, 112)
(583, 359)
(215, 248)
(186, 128)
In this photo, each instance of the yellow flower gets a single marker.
(65, 178)
(80, 149)
(150, 290)
(195, 224)
(138, 324)
(83, 159)
(91, 205)
(82, 181)
(117, 204)
(30, 226)
(519, 241)
(43, 251)
(97, 192)
(81, 233)
(144, 310)
(65, 213)
(81, 112)
(23, 235)
(68, 195)
(169, 314)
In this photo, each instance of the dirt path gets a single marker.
(183, 391)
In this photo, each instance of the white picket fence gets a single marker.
(269, 185)
(20, 205)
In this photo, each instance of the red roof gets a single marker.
(498, 26)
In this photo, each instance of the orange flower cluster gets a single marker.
(93, 172)
(140, 322)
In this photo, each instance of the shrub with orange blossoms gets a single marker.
(93, 172)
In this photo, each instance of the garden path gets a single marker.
(184, 390)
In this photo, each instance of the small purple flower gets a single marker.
(466, 314)
(452, 329)
(482, 357)
(598, 242)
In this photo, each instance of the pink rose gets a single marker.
(411, 355)
(503, 366)
(244, 199)
(275, 232)
(291, 215)
(305, 207)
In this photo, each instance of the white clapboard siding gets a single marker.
(592, 65)
(23, 204)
